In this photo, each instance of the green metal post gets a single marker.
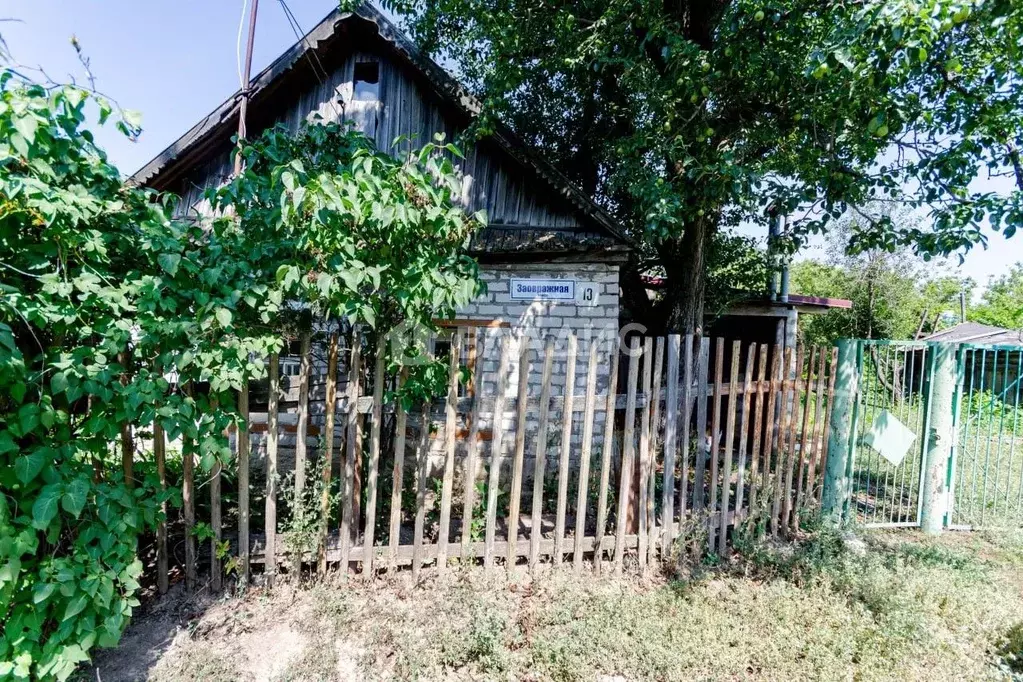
(837, 481)
(940, 434)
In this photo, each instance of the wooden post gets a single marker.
(778, 510)
(715, 435)
(832, 372)
(496, 453)
(301, 431)
(642, 490)
(804, 441)
(758, 425)
(792, 414)
(330, 408)
(536, 522)
(702, 455)
(450, 423)
(629, 454)
(272, 440)
(244, 460)
(188, 503)
(216, 523)
(584, 461)
(726, 473)
(374, 460)
(605, 457)
(160, 455)
(671, 406)
(127, 441)
(940, 435)
(349, 519)
(688, 399)
(651, 480)
(768, 443)
(476, 352)
(747, 388)
(566, 447)
(517, 461)
(422, 471)
(398, 474)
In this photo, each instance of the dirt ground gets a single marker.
(907, 607)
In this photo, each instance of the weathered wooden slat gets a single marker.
(160, 455)
(476, 351)
(758, 425)
(740, 485)
(818, 427)
(791, 438)
(272, 441)
(671, 407)
(301, 433)
(830, 395)
(584, 458)
(330, 407)
(769, 458)
(368, 536)
(784, 425)
(422, 472)
(726, 471)
(628, 455)
(688, 400)
(657, 395)
(496, 452)
(607, 447)
(217, 526)
(244, 461)
(702, 454)
(642, 489)
(188, 503)
(448, 481)
(397, 475)
(785, 450)
(566, 449)
(518, 459)
(349, 519)
(715, 434)
(804, 443)
(539, 463)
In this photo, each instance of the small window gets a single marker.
(366, 86)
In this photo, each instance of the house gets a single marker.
(549, 255)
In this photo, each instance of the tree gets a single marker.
(894, 294)
(684, 118)
(1002, 301)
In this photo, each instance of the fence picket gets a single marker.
(349, 514)
(326, 466)
(747, 388)
(792, 413)
(605, 457)
(188, 509)
(702, 455)
(818, 405)
(496, 453)
(272, 441)
(160, 455)
(770, 450)
(715, 436)
(469, 493)
(688, 399)
(832, 371)
(398, 474)
(450, 423)
(802, 476)
(374, 459)
(651, 480)
(628, 454)
(539, 462)
(422, 471)
(519, 457)
(671, 406)
(758, 425)
(566, 448)
(217, 526)
(642, 489)
(783, 434)
(584, 459)
(726, 470)
(301, 432)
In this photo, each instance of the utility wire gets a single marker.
(314, 60)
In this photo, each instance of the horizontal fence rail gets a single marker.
(614, 453)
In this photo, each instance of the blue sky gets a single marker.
(176, 61)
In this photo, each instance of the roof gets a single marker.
(598, 229)
(807, 304)
(975, 332)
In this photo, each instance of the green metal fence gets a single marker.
(987, 460)
(894, 379)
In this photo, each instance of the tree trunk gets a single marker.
(684, 259)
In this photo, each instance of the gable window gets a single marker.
(366, 82)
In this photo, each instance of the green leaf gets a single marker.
(27, 125)
(28, 466)
(75, 606)
(75, 495)
(45, 506)
(224, 317)
(169, 262)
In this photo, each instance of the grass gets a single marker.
(907, 607)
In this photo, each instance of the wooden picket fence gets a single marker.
(707, 435)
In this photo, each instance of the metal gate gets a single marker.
(986, 469)
(890, 418)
